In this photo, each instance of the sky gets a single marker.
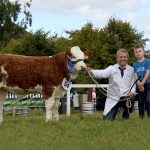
(60, 15)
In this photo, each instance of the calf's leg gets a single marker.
(49, 103)
(2, 98)
(55, 114)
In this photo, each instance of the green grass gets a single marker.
(77, 132)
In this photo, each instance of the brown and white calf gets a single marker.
(48, 75)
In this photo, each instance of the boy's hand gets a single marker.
(141, 88)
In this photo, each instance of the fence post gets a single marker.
(68, 103)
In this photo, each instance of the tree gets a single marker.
(61, 43)
(118, 34)
(38, 43)
(10, 14)
(105, 42)
(84, 38)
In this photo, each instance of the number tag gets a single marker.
(66, 84)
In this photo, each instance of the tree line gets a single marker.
(104, 42)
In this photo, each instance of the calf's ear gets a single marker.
(88, 54)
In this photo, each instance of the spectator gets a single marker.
(94, 100)
(76, 100)
(142, 71)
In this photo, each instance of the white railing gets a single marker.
(11, 95)
(81, 86)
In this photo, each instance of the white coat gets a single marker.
(118, 85)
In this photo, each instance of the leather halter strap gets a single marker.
(74, 62)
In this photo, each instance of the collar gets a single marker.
(124, 67)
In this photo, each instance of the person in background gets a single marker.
(76, 100)
(121, 79)
(71, 99)
(94, 100)
(142, 71)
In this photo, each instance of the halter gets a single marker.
(71, 64)
(74, 62)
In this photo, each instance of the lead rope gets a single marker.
(128, 104)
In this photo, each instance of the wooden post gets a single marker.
(90, 95)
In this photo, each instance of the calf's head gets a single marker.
(76, 56)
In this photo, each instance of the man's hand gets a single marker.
(129, 96)
(87, 70)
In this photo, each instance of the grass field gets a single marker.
(77, 132)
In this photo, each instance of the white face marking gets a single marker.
(78, 54)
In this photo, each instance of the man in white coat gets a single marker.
(121, 79)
